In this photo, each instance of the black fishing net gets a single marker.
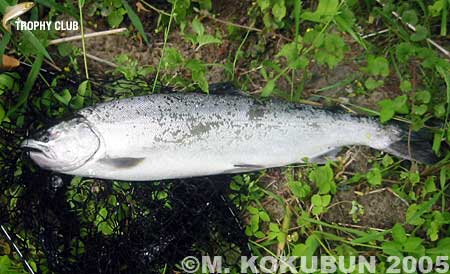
(66, 224)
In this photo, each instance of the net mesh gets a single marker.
(66, 224)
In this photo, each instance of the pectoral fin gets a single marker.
(125, 162)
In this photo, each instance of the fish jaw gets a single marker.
(38, 152)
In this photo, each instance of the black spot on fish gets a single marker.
(201, 128)
(256, 112)
(125, 162)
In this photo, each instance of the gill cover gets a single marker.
(65, 146)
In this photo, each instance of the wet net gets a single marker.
(65, 224)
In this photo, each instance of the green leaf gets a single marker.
(172, 58)
(437, 140)
(420, 109)
(83, 87)
(200, 78)
(420, 34)
(197, 26)
(279, 10)
(392, 248)
(412, 244)
(430, 185)
(65, 49)
(6, 82)
(253, 210)
(328, 7)
(374, 177)
(406, 86)
(331, 51)
(324, 179)
(264, 216)
(410, 16)
(345, 22)
(414, 177)
(299, 189)
(377, 65)
(414, 212)
(205, 4)
(405, 51)
(134, 18)
(326, 199)
(207, 39)
(372, 84)
(446, 75)
(263, 4)
(115, 18)
(436, 8)
(2, 113)
(64, 97)
(439, 110)
(254, 223)
(325, 10)
(198, 72)
(387, 160)
(400, 104)
(274, 227)
(423, 96)
(316, 200)
(371, 236)
(31, 78)
(290, 51)
(61, 8)
(386, 113)
(6, 265)
(40, 48)
(399, 234)
(268, 88)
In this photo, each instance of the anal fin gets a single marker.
(329, 155)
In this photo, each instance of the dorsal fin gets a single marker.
(225, 88)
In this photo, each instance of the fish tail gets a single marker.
(412, 145)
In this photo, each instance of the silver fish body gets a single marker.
(179, 135)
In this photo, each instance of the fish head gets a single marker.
(63, 147)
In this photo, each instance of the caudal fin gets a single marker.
(416, 146)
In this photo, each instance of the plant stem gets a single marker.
(83, 42)
(166, 35)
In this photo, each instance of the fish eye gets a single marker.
(44, 138)
(55, 134)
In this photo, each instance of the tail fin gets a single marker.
(416, 146)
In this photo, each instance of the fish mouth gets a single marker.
(35, 147)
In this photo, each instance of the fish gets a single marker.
(15, 11)
(182, 135)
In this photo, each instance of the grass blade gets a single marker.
(135, 20)
(347, 27)
(36, 44)
(444, 18)
(34, 72)
(3, 43)
(446, 75)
